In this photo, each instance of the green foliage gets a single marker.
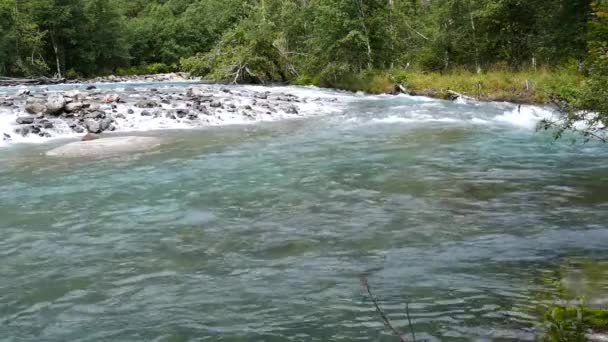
(568, 324)
(586, 109)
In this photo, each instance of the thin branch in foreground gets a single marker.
(409, 321)
(387, 322)
(547, 124)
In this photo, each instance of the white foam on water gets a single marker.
(415, 119)
(525, 116)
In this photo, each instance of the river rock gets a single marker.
(181, 113)
(105, 124)
(24, 92)
(34, 106)
(75, 94)
(6, 137)
(105, 147)
(292, 110)
(23, 130)
(92, 126)
(92, 106)
(145, 113)
(74, 107)
(25, 120)
(95, 115)
(146, 104)
(215, 104)
(46, 124)
(55, 104)
(89, 137)
(111, 98)
(78, 129)
(191, 92)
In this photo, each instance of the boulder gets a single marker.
(25, 120)
(111, 98)
(105, 124)
(91, 87)
(34, 106)
(194, 92)
(215, 104)
(55, 104)
(92, 126)
(23, 92)
(74, 107)
(145, 113)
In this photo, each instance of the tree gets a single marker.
(587, 110)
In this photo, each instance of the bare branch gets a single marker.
(385, 319)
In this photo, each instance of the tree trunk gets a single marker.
(56, 50)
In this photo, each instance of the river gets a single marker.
(263, 231)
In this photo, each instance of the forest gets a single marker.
(333, 43)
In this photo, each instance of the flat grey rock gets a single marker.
(105, 147)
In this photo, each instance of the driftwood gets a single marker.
(11, 81)
(455, 96)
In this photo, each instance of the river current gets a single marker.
(263, 231)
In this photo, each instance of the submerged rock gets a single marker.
(105, 147)
(25, 120)
(89, 137)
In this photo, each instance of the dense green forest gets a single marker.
(322, 42)
(283, 39)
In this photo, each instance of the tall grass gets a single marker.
(494, 84)
(532, 86)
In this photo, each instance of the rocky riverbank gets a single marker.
(89, 110)
(169, 77)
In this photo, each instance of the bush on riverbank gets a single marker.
(572, 324)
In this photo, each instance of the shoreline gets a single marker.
(515, 87)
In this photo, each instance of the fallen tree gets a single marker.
(12, 81)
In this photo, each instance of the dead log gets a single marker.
(13, 81)
(455, 96)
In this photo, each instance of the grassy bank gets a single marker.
(527, 86)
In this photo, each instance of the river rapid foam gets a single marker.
(141, 107)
